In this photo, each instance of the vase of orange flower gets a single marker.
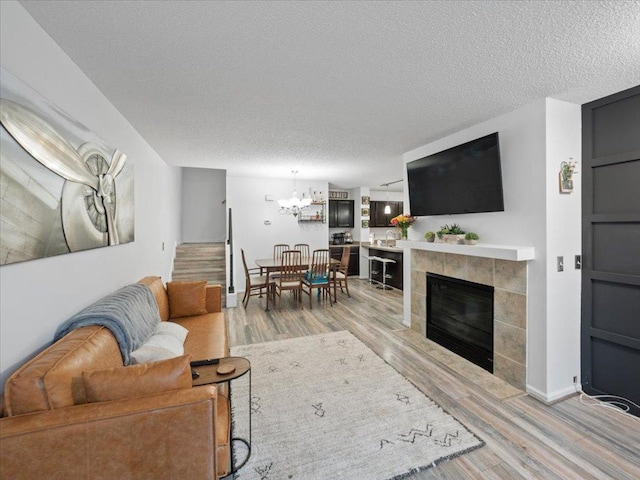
(403, 222)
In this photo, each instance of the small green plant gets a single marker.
(471, 236)
(450, 230)
(430, 236)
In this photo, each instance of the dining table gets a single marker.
(271, 265)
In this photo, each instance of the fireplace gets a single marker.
(460, 318)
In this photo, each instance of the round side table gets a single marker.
(208, 374)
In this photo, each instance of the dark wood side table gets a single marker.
(208, 374)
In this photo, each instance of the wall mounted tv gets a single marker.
(463, 179)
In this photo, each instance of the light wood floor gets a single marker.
(524, 438)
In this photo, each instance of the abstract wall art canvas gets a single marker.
(62, 188)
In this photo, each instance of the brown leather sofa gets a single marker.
(49, 430)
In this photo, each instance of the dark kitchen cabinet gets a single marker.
(341, 213)
(354, 257)
(380, 219)
(394, 270)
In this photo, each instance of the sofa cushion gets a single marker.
(53, 378)
(187, 298)
(138, 380)
(207, 335)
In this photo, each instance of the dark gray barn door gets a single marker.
(611, 246)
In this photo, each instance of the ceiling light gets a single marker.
(294, 205)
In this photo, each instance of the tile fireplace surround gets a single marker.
(505, 269)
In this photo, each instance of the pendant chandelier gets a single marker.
(294, 205)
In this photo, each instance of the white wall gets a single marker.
(36, 296)
(246, 198)
(564, 226)
(203, 207)
(533, 141)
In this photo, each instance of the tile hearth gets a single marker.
(509, 279)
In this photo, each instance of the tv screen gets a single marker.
(462, 179)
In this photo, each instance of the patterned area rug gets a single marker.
(327, 407)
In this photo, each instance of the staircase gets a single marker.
(201, 261)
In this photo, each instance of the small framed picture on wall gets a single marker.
(365, 212)
(365, 223)
(365, 200)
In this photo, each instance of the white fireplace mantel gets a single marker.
(501, 252)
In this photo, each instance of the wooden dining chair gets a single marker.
(278, 248)
(341, 274)
(290, 276)
(318, 275)
(303, 248)
(255, 283)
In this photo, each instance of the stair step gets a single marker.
(201, 261)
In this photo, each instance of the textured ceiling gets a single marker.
(336, 90)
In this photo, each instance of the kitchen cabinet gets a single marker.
(394, 270)
(354, 257)
(380, 219)
(341, 213)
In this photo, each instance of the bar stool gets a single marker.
(370, 258)
(384, 261)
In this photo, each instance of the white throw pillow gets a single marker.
(167, 342)
(148, 354)
(170, 342)
(171, 328)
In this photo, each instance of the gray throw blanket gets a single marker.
(131, 314)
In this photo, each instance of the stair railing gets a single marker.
(230, 243)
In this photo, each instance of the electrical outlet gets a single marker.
(560, 264)
(163, 246)
(578, 262)
(575, 379)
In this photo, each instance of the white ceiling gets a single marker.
(336, 90)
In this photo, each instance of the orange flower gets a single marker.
(402, 221)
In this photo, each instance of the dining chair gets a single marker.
(304, 249)
(318, 275)
(254, 283)
(278, 248)
(290, 276)
(340, 275)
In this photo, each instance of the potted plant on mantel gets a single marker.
(471, 238)
(451, 234)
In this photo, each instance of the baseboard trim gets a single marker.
(553, 397)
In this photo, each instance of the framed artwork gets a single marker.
(365, 223)
(65, 189)
(365, 212)
(334, 194)
(365, 200)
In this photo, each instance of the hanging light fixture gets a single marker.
(294, 205)
(387, 207)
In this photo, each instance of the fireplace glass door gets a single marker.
(460, 318)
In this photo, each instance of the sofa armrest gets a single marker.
(214, 298)
(163, 436)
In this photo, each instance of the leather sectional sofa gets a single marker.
(51, 429)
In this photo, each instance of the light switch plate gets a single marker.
(560, 264)
(578, 262)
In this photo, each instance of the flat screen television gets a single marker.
(463, 179)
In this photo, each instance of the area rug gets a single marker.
(327, 407)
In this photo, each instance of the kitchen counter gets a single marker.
(384, 248)
(354, 244)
